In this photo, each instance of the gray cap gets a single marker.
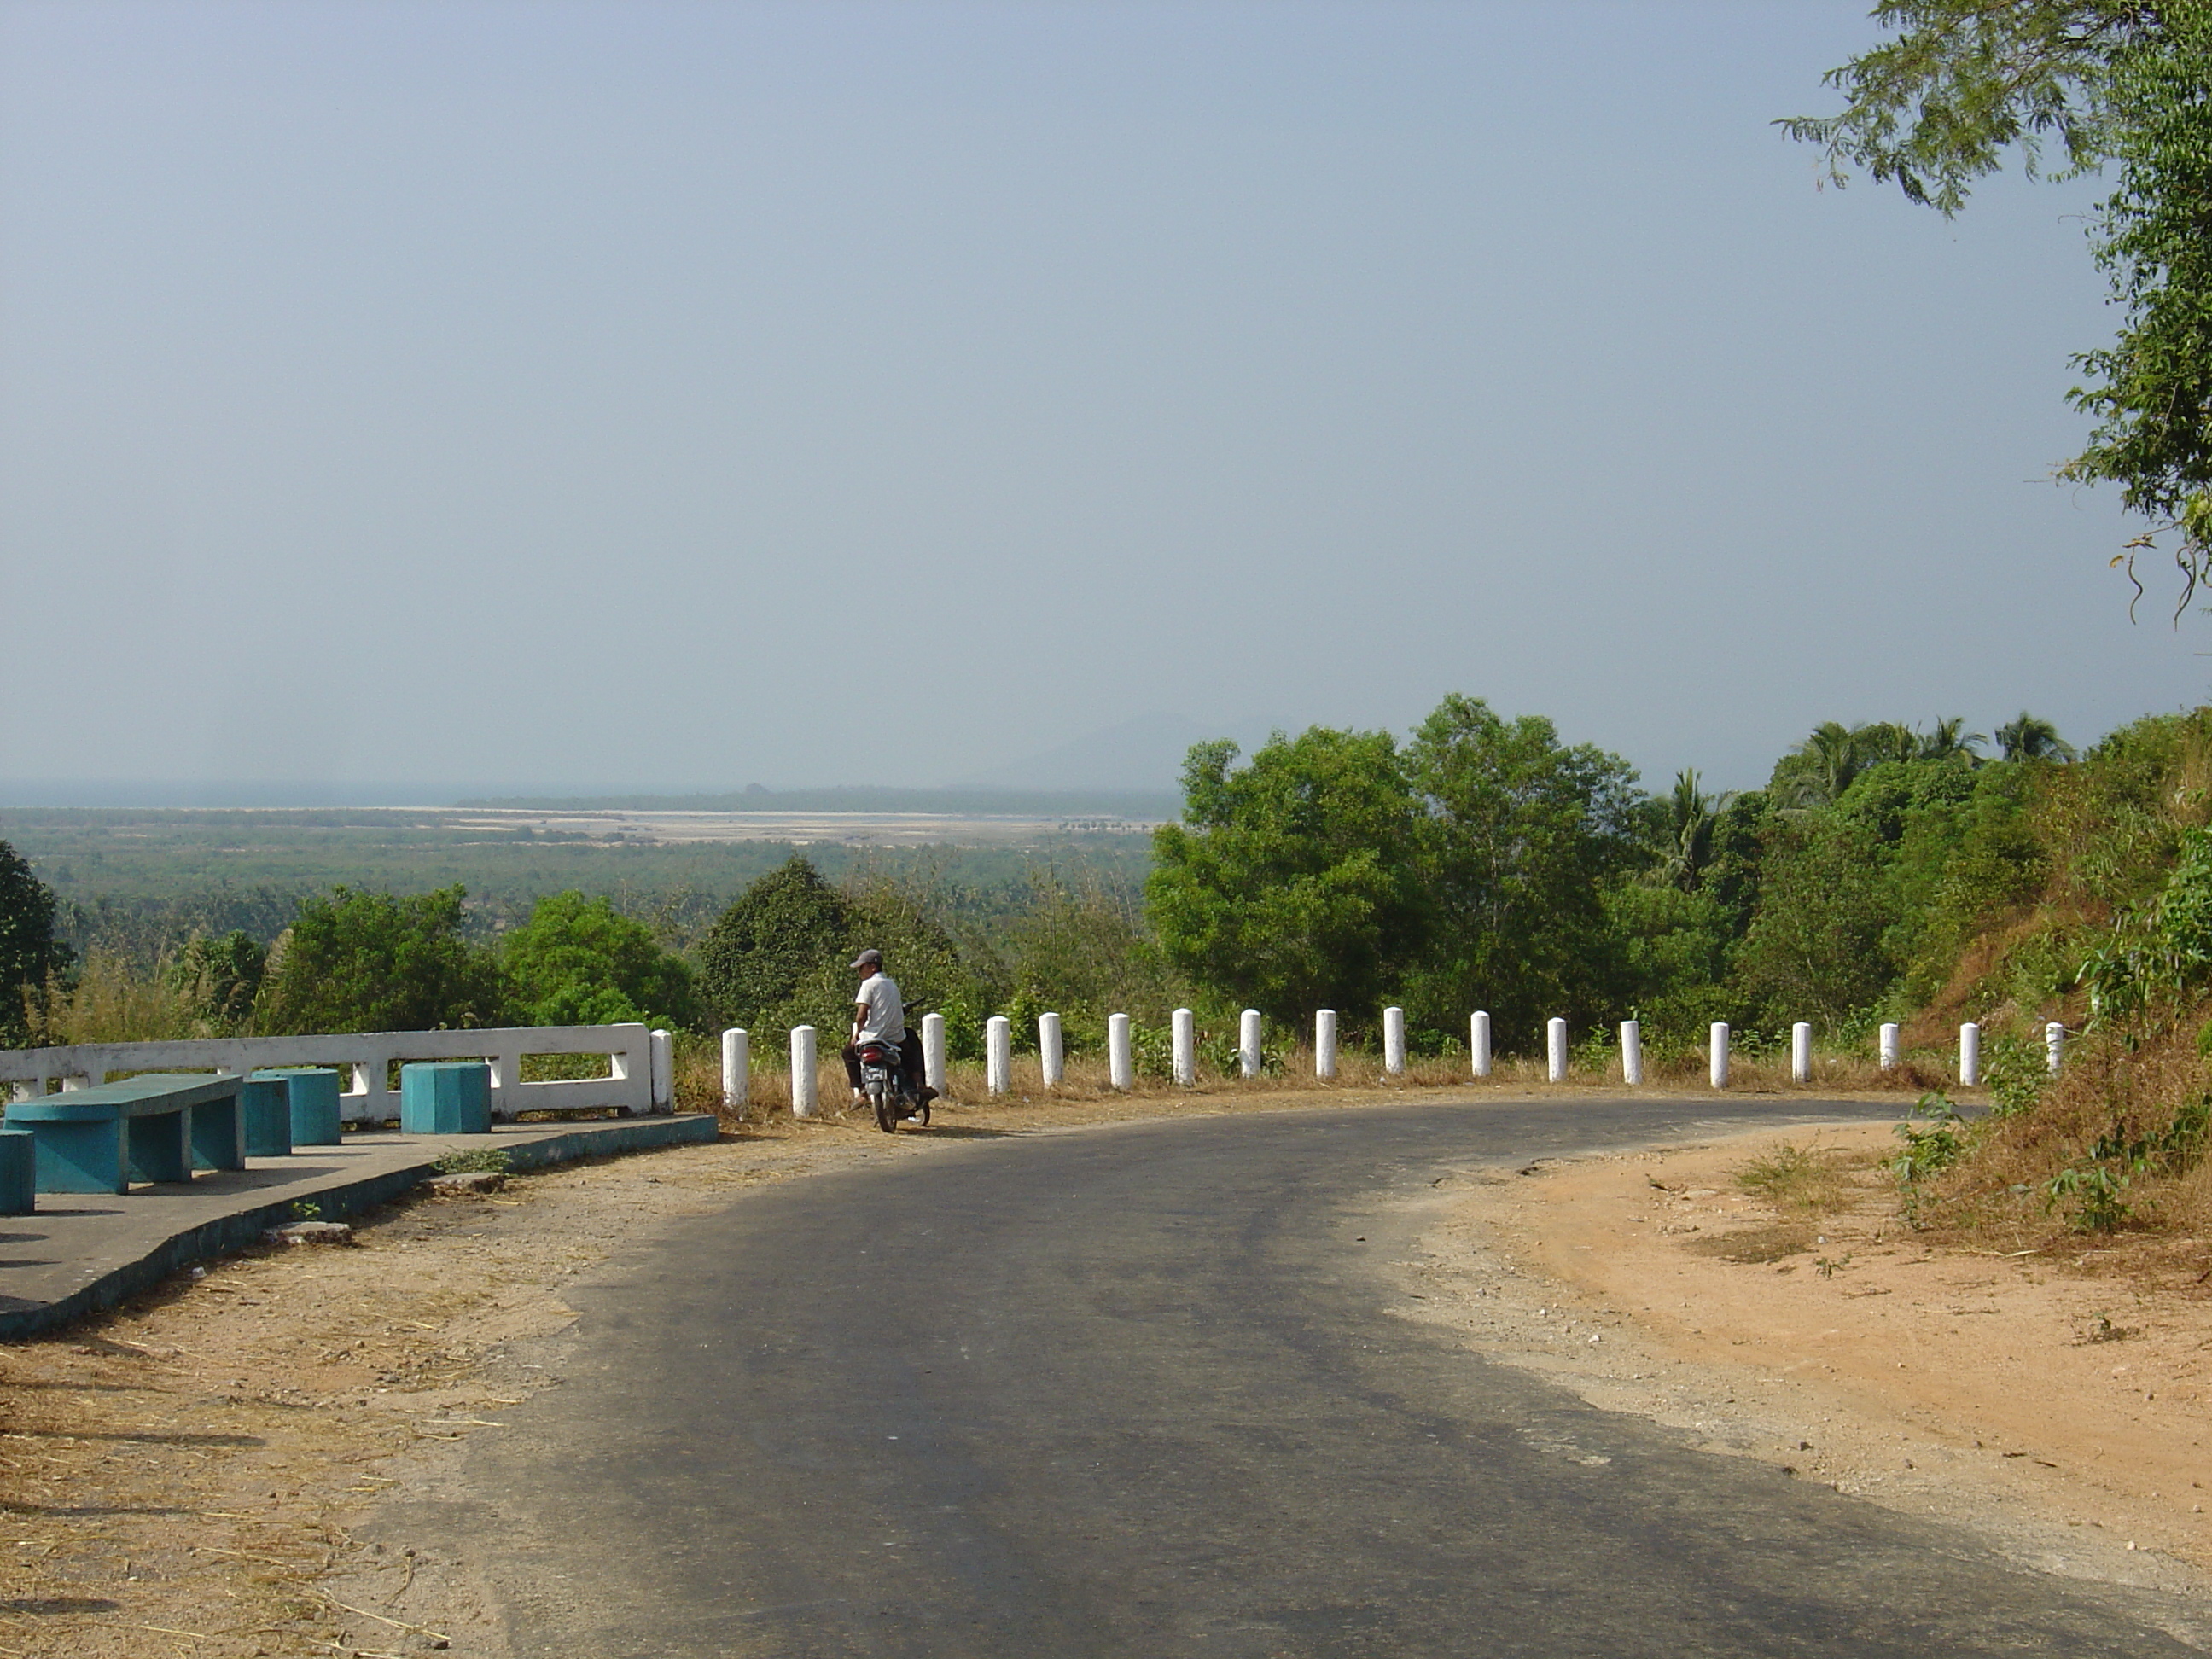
(869, 959)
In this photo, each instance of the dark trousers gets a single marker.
(909, 1061)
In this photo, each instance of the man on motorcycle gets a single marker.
(880, 1016)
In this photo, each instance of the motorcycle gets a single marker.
(884, 1081)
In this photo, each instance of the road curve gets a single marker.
(1130, 1391)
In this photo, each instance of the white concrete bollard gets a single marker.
(1478, 1042)
(1120, 1060)
(1890, 1050)
(1248, 1042)
(1970, 1054)
(933, 1051)
(1052, 1053)
(2054, 1046)
(1394, 1042)
(737, 1069)
(1555, 1050)
(662, 1046)
(1183, 1026)
(1717, 1055)
(1325, 1043)
(1632, 1053)
(1800, 1053)
(998, 1053)
(802, 1071)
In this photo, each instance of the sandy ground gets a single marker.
(2059, 1414)
(194, 1472)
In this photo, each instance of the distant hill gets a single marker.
(1142, 755)
(1146, 806)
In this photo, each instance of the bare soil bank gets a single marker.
(2061, 1414)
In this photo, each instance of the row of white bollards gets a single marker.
(1120, 1060)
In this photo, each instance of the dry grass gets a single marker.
(2128, 1104)
(1789, 1176)
(114, 1001)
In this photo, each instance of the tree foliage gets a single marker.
(379, 962)
(31, 957)
(781, 929)
(580, 962)
(1966, 82)
(1520, 835)
(1290, 885)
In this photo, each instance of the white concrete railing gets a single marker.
(1121, 1070)
(639, 1079)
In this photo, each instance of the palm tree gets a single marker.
(1822, 766)
(1947, 740)
(1692, 817)
(2029, 738)
(1886, 740)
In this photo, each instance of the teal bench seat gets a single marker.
(150, 1129)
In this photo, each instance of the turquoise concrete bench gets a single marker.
(19, 1172)
(151, 1128)
(265, 1105)
(311, 1095)
(445, 1097)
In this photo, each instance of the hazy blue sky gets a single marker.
(606, 394)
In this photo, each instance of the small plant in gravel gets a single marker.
(484, 1160)
(1794, 1177)
(1928, 1151)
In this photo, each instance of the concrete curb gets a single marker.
(335, 1200)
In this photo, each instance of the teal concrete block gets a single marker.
(266, 1103)
(218, 1133)
(445, 1097)
(313, 1092)
(19, 1172)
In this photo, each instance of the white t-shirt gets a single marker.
(886, 1020)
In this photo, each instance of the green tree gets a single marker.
(1686, 822)
(781, 930)
(219, 977)
(1290, 885)
(31, 957)
(579, 961)
(2028, 738)
(378, 962)
(1965, 83)
(1521, 838)
(1814, 950)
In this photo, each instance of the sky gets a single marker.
(661, 396)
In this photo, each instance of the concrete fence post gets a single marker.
(1051, 1055)
(998, 1053)
(1632, 1053)
(1394, 1042)
(1555, 1050)
(1891, 1052)
(2054, 1046)
(1248, 1042)
(737, 1069)
(1718, 1056)
(1800, 1053)
(933, 1051)
(663, 1049)
(1970, 1054)
(1120, 1063)
(1183, 1029)
(1325, 1043)
(802, 1071)
(1478, 1042)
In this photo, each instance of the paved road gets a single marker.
(1130, 1392)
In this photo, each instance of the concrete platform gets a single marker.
(80, 1251)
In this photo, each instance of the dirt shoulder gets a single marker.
(2061, 1414)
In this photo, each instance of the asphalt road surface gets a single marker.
(1130, 1391)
